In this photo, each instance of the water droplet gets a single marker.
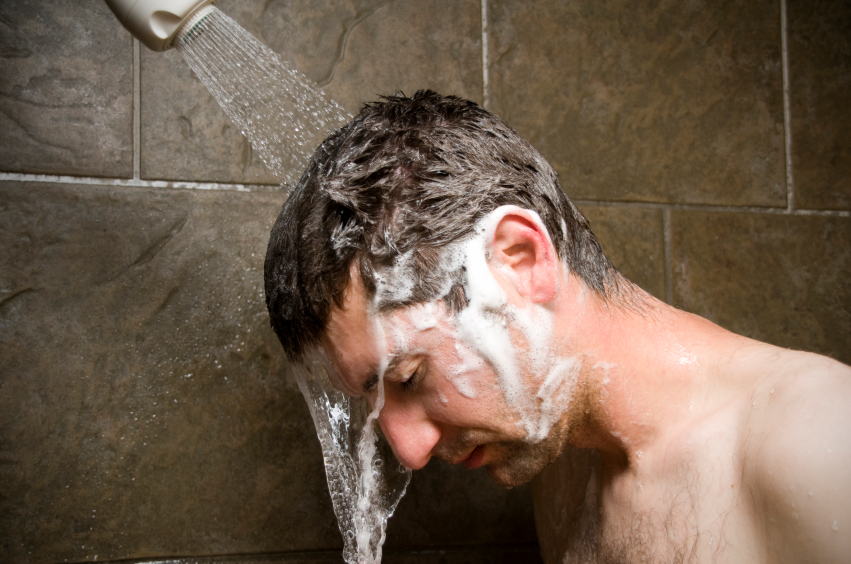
(835, 526)
(811, 493)
(772, 390)
(350, 534)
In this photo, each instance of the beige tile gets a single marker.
(820, 84)
(66, 89)
(356, 50)
(633, 239)
(779, 279)
(665, 102)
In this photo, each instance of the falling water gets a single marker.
(365, 480)
(285, 117)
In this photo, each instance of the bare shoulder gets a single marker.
(797, 458)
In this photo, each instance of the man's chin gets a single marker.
(509, 478)
(514, 464)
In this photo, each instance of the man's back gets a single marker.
(759, 473)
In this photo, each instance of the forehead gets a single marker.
(350, 340)
(359, 342)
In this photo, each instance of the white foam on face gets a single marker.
(395, 283)
(606, 367)
(424, 317)
(517, 343)
(536, 383)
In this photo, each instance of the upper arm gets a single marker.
(802, 470)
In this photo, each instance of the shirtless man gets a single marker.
(430, 253)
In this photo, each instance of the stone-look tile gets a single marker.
(356, 50)
(562, 513)
(504, 554)
(146, 408)
(65, 89)
(666, 102)
(820, 81)
(489, 554)
(451, 506)
(778, 279)
(633, 239)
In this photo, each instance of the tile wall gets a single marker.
(146, 410)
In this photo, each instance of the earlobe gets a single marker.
(522, 255)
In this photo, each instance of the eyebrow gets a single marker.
(371, 383)
(372, 380)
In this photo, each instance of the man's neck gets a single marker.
(648, 371)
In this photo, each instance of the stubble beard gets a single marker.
(510, 463)
(516, 462)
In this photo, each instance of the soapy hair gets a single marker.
(390, 191)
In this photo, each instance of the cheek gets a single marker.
(462, 378)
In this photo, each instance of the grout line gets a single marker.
(787, 111)
(710, 208)
(137, 183)
(669, 271)
(193, 185)
(137, 110)
(485, 63)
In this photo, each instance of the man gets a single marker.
(430, 253)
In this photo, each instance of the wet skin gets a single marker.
(714, 447)
(424, 413)
(441, 398)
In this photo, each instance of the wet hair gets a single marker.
(406, 178)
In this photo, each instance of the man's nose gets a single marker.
(410, 432)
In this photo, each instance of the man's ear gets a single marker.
(521, 255)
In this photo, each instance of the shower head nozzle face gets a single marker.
(155, 23)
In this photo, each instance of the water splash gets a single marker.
(282, 113)
(365, 488)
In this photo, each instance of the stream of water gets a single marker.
(285, 117)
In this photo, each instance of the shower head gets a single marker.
(156, 23)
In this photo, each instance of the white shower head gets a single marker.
(156, 23)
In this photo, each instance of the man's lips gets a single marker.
(476, 458)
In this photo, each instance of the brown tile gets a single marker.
(65, 89)
(820, 84)
(145, 407)
(491, 554)
(633, 239)
(498, 554)
(775, 278)
(411, 45)
(356, 50)
(449, 506)
(146, 410)
(666, 102)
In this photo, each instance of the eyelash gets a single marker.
(410, 384)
